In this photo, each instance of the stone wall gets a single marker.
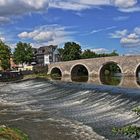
(127, 64)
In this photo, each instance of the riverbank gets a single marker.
(39, 75)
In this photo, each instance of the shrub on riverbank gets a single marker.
(7, 133)
(39, 75)
(130, 131)
(42, 75)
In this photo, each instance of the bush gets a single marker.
(40, 69)
(7, 133)
(130, 131)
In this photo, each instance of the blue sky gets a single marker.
(100, 25)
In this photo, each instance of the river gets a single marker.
(56, 110)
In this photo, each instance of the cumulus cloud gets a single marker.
(53, 34)
(124, 3)
(2, 38)
(12, 8)
(137, 30)
(78, 5)
(131, 40)
(128, 39)
(119, 34)
(100, 50)
(68, 5)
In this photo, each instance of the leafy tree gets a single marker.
(60, 51)
(71, 51)
(114, 53)
(5, 53)
(23, 53)
(88, 54)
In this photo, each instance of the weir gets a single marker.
(59, 110)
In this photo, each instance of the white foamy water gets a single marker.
(81, 112)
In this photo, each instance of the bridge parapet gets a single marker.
(127, 64)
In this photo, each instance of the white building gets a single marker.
(47, 54)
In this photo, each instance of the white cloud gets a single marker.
(131, 40)
(78, 5)
(137, 30)
(95, 2)
(124, 3)
(128, 39)
(11, 8)
(119, 34)
(2, 38)
(53, 34)
(68, 5)
(130, 10)
(4, 19)
(99, 30)
(100, 50)
(103, 29)
(120, 18)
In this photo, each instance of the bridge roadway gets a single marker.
(129, 65)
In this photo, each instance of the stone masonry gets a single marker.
(127, 64)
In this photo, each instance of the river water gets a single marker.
(56, 110)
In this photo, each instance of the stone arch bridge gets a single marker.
(129, 65)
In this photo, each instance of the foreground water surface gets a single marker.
(50, 110)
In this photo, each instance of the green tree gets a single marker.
(71, 51)
(114, 53)
(88, 54)
(5, 53)
(23, 53)
(60, 51)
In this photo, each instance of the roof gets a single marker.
(47, 49)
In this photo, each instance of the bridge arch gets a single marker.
(56, 71)
(79, 71)
(107, 65)
(110, 73)
(137, 71)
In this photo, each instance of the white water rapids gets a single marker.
(67, 111)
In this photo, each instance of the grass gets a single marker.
(42, 75)
(39, 75)
(7, 133)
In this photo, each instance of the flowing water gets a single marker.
(50, 110)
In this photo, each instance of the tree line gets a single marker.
(73, 51)
(23, 53)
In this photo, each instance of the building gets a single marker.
(12, 63)
(46, 55)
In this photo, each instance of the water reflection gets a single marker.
(110, 80)
(122, 81)
(138, 81)
(79, 78)
(56, 78)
